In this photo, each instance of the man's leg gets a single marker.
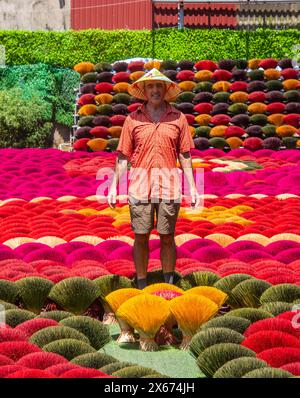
(141, 257)
(142, 220)
(167, 214)
(168, 256)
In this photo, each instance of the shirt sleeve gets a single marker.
(125, 145)
(185, 138)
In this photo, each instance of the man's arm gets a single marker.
(186, 164)
(120, 168)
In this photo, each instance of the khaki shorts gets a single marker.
(142, 216)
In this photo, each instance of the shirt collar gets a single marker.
(170, 109)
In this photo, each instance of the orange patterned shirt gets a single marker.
(153, 149)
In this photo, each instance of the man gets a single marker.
(152, 139)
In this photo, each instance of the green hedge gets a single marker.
(34, 99)
(68, 48)
(53, 86)
(24, 122)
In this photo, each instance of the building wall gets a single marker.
(280, 15)
(111, 14)
(197, 15)
(34, 15)
(137, 14)
(230, 15)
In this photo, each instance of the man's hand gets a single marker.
(112, 197)
(120, 168)
(187, 167)
(195, 198)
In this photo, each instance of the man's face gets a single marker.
(155, 92)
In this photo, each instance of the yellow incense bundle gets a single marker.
(115, 300)
(190, 312)
(146, 314)
(212, 293)
(118, 297)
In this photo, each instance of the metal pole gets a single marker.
(180, 8)
(153, 30)
(247, 33)
(209, 15)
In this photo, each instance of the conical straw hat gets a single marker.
(137, 89)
